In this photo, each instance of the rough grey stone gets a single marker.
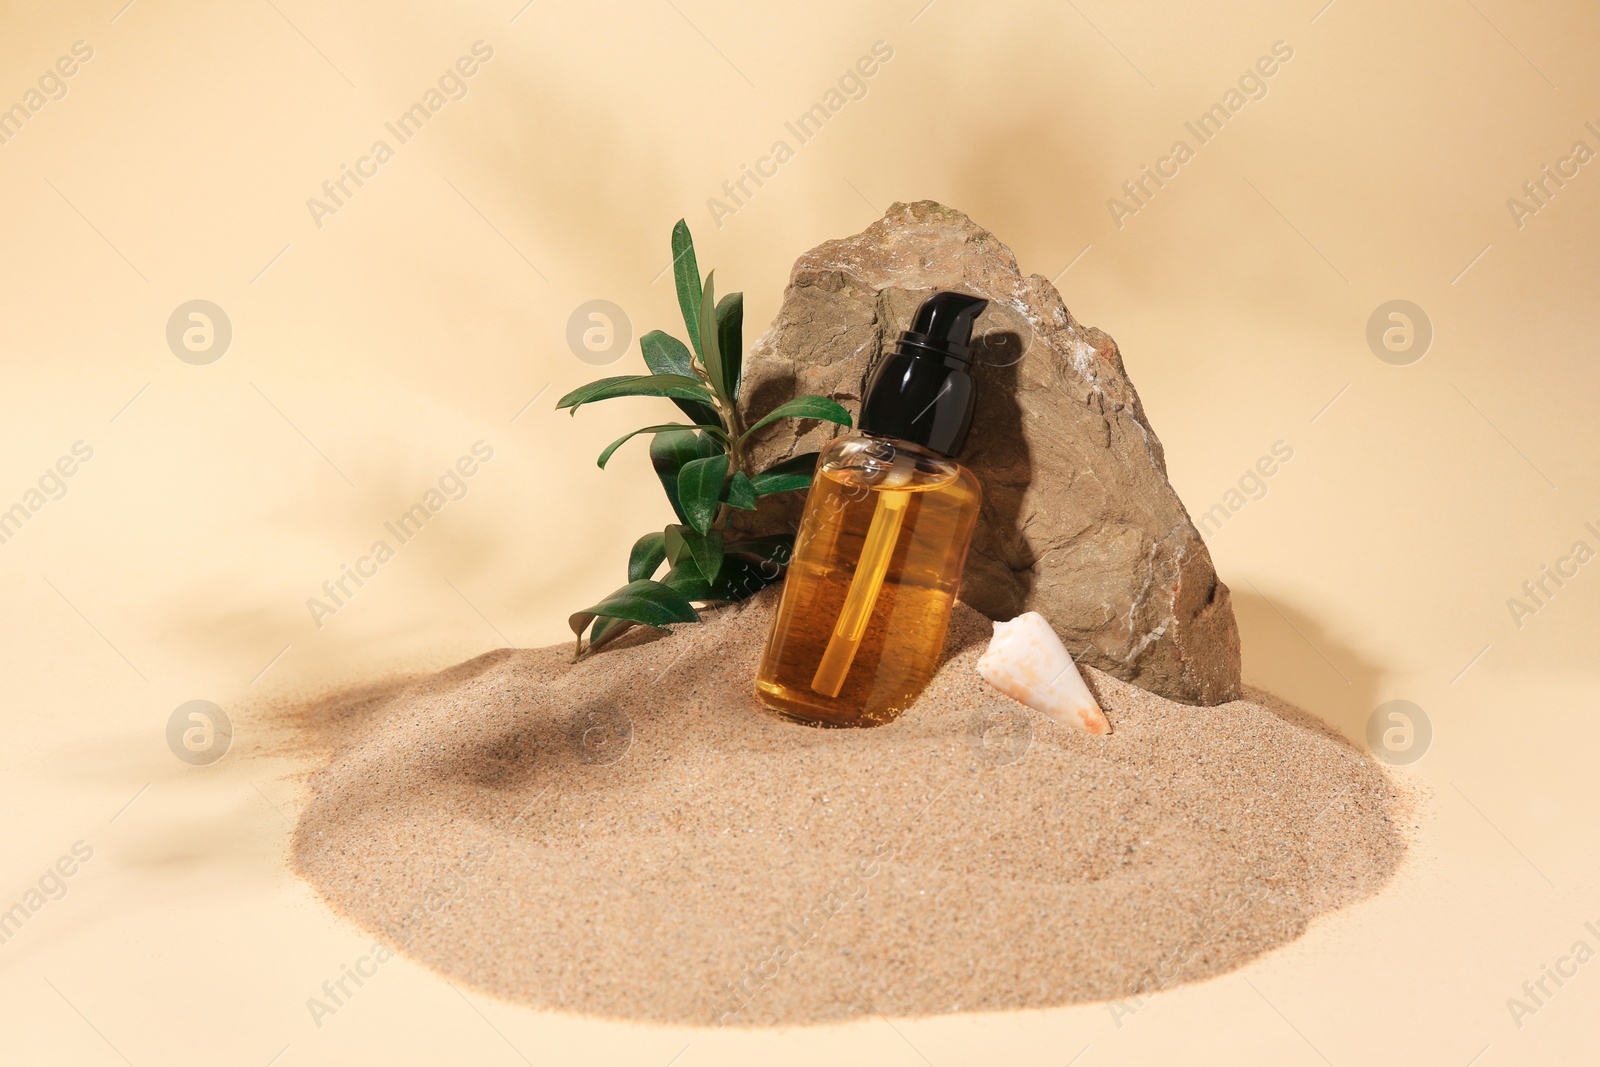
(1079, 522)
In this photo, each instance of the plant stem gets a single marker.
(728, 410)
(736, 460)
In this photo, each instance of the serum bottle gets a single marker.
(877, 561)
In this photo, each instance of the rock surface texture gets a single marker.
(1079, 522)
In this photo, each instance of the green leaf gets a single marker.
(607, 630)
(583, 392)
(665, 354)
(805, 407)
(710, 347)
(689, 550)
(686, 580)
(641, 601)
(700, 490)
(730, 342)
(673, 385)
(742, 492)
(705, 550)
(664, 427)
(686, 275)
(795, 472)
(646, 555)
(676, 545)
(739, 579)
(670, 450)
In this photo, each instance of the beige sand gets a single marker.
(634, 837)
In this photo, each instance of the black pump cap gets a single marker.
(921, 393)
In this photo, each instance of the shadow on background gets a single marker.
(1290, 654)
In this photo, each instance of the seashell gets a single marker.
(1027, 662)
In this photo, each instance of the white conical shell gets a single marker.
(1027, 662)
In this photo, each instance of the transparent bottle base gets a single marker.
(795, 708)
(860, 626)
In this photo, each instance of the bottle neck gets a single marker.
(908, 448)
(878, 462)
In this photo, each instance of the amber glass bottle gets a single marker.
(878, 558)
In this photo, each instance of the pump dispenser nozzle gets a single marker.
(921, 392)
(943, 324)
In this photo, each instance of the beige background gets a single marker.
(432, 308)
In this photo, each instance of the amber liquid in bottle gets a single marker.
(866, 602)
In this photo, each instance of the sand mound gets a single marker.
(633, 836)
